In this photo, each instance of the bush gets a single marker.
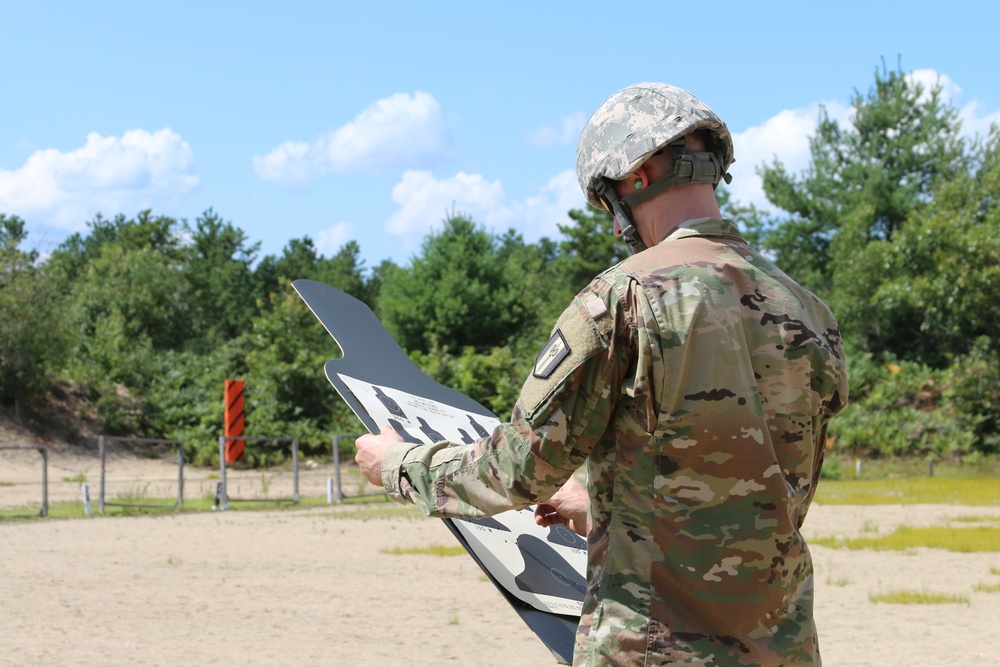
(832, 468)
(493, 379)
(973, 387)
(900, 408)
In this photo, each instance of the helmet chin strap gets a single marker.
(697, 167)
(605, 190)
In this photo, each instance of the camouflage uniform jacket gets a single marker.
(695, 380)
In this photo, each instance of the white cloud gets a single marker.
(539, 215)
(975, 120)
(290, 162)
(332, 239)
(110, 175)
(401, 130)
(785, 137)
(566, 134)
(928, 78)
(425, 201)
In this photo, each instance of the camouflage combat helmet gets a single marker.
(631, 126)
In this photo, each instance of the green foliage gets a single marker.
(300, 260)
(154, 233)
(941, 290)
(974, 388)
(458, 292)
(287, 393)
(901, 412)
(33, 338)
(588, 247)
(185, 397)
(752, 221)
(222, 284)
(493, 379)
(128, 305)
(903, 142)
(832, 468)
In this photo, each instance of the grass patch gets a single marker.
(74, 509)
(21, 513)
(79, 478)
(975, 518)
(889, 468)
(987, 588)
(367, 513)
(839, 582)
(431, 550)
(962, 540)
(916, 597)
(995, 570)
(61, 510)
(2, 483)
(983, 491)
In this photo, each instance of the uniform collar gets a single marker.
(706, 227)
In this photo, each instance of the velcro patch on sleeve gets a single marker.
(575, 339)
(553, 354)
(595, 306)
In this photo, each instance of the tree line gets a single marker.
(894, 223)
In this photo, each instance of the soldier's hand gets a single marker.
(567, 507)
(371, 450)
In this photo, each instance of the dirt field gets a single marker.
(318, 586)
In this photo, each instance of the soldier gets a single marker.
(695, 381)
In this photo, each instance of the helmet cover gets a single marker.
(638, 121)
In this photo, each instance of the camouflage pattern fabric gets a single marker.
(636, 122)
(696, 383)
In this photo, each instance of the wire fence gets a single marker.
(139, 500)
(223, 498)
(44, 451)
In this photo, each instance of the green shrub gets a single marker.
(902, 408)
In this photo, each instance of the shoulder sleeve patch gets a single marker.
(553, 354)
(576, 339)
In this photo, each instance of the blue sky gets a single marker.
(370, 121)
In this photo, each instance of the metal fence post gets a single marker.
(44, 451)
(336, 469)
(104, 440)
(180, 476)
(45, 480)
(102, 448)
(295, 469)
(224, 499)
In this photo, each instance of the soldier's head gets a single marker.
(645, 140)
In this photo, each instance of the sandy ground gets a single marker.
(321, 586)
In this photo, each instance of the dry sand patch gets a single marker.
(315, 587)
